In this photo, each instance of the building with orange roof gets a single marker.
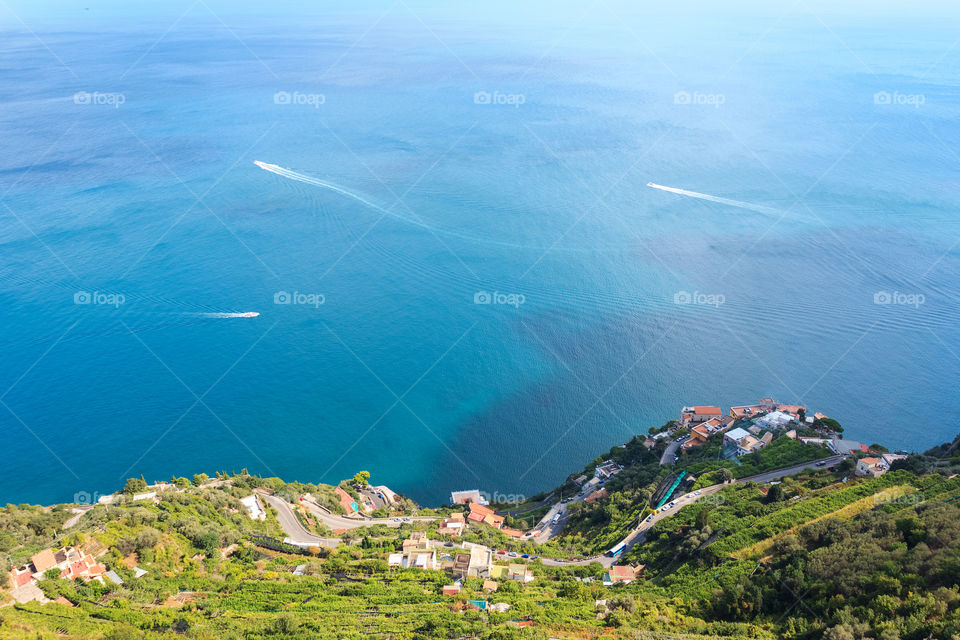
(699, 413)
(485, 515)
(347, 501)
(43, 560)
(599, 494)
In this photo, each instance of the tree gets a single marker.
(135, 485)
(199, 479)
(361, 479)
(776, 494)
(147, 539)
(725, 475)
(286, 625)
(180, 483)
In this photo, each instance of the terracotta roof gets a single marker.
(20, 578)
(870, 460)
(622, 572)
(480, 509)
(706, 410)
(43, 560)
(513, 533)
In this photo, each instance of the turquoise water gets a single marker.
(143, 186)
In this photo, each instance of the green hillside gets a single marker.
(818, 554)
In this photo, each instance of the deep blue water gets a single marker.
(399, 371)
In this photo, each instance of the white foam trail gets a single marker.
(295, 175)
(244, 314)
(726, 201)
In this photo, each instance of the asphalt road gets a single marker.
(669, 452)
(637, 534)
(292, 527)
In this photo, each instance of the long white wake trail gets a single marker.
(294, 175)
(718, 199)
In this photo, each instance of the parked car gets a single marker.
(526, 555)
(501, 552)
(448, 544)
(513, 554)
(822, 463)
(649, 518)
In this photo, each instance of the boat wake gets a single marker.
(300, 177)
(705, 196)
(243, 314)
(295, 175)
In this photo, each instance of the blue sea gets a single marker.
(463, 279)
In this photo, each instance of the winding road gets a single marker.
(296, 534)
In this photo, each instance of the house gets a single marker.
(890, 458)
(766, 438)
(777, 419)
(606, 470)
(816, 441)
(346, 501)
(395, 560)
(792, 434)
(846, 447)
(464, 497)
(461, 566)
(43, 561)
(513, 533)
(579, 480)
(622, 574)
(699, 434)
(20, 577)
(697, 414)
(417, 540)
(599, 494)
(489, 586)
(590, 484)
(767, 404)
(485, 515)
(499, 607)
(735, 436)
(745, 411)
(254, 510)
(451, 590)
(873, 467)
(749, 445)
(419, 559)
(453, 526)
(519, 572)
(791, 409)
